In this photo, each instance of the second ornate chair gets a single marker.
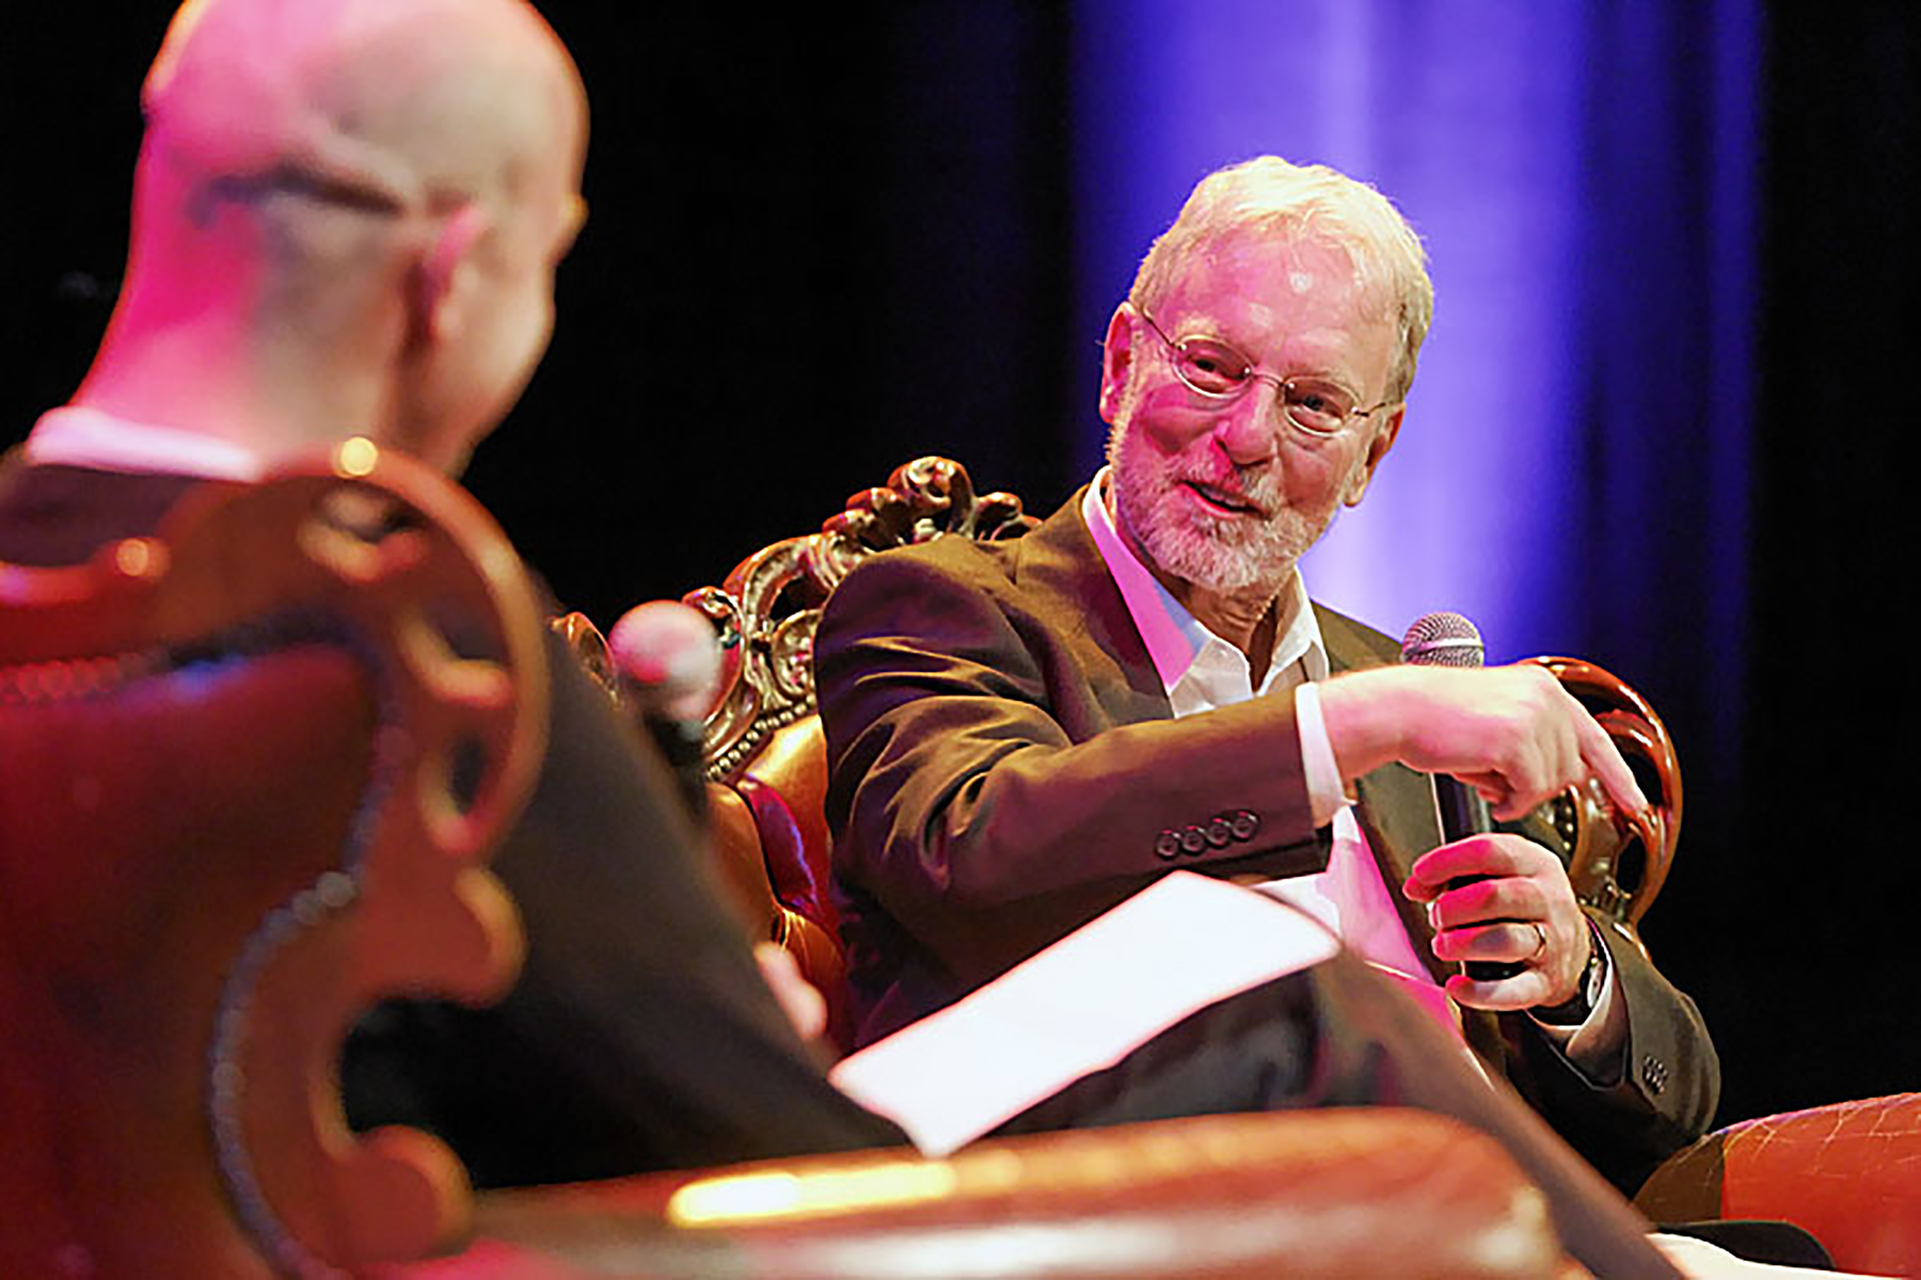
(247, 785)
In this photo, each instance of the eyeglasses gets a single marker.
(1211, 368)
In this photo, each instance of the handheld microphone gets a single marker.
(668, 663)
(1449, 640)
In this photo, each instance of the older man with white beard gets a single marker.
(1023, 734)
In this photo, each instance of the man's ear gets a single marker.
(444, 276)
(1377, 447)
(1117, 360)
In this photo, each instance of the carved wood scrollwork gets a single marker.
(767, 609)
(1618, 863)
(192, 1111)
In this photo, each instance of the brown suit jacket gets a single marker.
(1005, 766)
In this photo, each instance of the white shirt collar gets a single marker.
(75, 435)
(1197, 668)
(1201, 671)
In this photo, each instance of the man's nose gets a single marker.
(1246, 430)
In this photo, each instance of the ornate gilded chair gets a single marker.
(248, 784)
(763, 747)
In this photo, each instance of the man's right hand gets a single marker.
(1512, 733)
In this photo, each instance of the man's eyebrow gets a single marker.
(1198, 325)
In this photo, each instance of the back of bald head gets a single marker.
(378, 108)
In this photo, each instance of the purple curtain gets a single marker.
(1582, 174)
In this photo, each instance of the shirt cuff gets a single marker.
(1326, 796)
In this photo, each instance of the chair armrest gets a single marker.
(1356, 1192)
(1850, 1173)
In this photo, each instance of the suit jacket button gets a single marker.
(1220, 831)
(1193, 840)
(1244, 823)
(1655, 1073)
(1168, 844)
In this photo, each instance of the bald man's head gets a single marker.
(360, 189)
(400, 103)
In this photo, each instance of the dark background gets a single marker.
(821, 245)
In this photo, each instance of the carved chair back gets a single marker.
(764, 754)
(249, 779)
(1616, 863)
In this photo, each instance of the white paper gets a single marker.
(1079, 1007)
(1699, 1260)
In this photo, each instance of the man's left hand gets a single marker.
(1517, 907)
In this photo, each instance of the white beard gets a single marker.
(1220, 553)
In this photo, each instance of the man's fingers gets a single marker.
(1493, 788)
(1605, 762)
(1524, 990)
(1510, 806)
(798, 998)
(1502, 899)
(1514, 733)
(1509, 941)
(1558, 762)
(1497, 853)
(1498, 898)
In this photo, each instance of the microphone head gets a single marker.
(668, 658)
(1442, 640)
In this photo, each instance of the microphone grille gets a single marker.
(667, 654)
(1442, 639)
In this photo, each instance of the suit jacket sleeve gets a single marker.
(996, 780)
(1669, 1082)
